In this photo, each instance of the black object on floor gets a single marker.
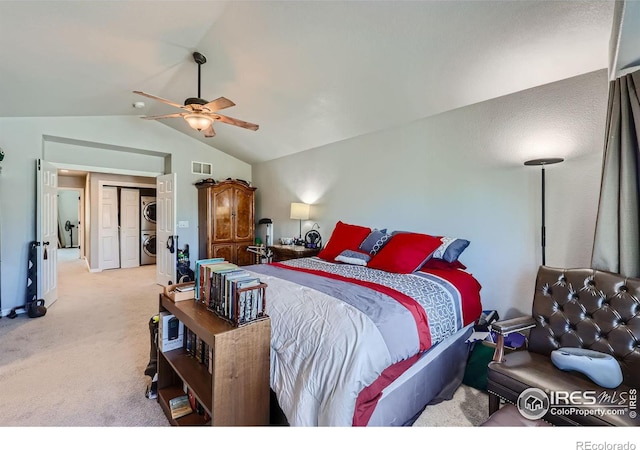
(34, 306)
(152, 366)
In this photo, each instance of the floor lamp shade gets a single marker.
(543, 162)
(300, 211)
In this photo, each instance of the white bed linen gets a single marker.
(323, 353)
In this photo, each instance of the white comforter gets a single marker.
(323, 353)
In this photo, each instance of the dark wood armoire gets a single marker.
(226, 221)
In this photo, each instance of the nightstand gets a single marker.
(285, 252)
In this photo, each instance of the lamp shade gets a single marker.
(198, 121)
(299, 211)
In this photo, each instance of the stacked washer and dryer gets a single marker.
(147, 230)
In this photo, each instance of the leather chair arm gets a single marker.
(504, 327)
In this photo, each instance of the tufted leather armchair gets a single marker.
(583, 308)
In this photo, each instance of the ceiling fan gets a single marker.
(200, 114)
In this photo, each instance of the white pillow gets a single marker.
(354, 257)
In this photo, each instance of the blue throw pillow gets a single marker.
(450, 249)
(375, 241)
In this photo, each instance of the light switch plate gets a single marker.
(183, 224)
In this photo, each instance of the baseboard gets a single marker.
(89, 267)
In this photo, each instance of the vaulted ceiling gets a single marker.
(310, 73)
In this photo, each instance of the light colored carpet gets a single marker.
(82, 364)
(469, 407)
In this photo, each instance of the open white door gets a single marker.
(47, 231)
(129, 228)
(108, 235)
(166, 251)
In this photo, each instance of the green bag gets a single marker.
(476, 372)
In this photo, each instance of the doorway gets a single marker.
(70, 213)
(124, 237)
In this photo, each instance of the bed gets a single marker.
(358, 342)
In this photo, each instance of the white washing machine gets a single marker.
(147, 213)
(147, 247)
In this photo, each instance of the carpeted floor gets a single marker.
(469, 407)
(82, 364)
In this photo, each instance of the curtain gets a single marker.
(616, 246)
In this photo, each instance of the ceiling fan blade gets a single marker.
(208, 132)
(165, 116)
(168, 102)
(218, 104)
(236, 122)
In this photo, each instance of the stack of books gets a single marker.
(180, 406)
(198, 349)
(229, 291)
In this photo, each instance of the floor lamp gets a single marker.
(543, 162)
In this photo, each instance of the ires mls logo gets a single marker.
(534, 403)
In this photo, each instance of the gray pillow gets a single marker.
(375, 241)
(353, 257)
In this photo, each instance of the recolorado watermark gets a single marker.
(534, 403)
(590, 445)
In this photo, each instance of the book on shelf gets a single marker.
(186, 288)
(245, 299)
(211, 289)
(180, 406)
(226, 293)
(193, 402)
(199, 263)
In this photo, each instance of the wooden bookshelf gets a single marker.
(236, 391)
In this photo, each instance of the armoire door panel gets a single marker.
(244, 222)
(226, 251)
(222, 215)
(244, 256)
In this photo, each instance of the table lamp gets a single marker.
(300, 211)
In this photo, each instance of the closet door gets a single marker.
(129, 228)
(108, 235)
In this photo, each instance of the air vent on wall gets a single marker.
(200, 168)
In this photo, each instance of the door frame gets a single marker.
(118, 184)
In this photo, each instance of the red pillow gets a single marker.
(436, 263)
(344, 237)
(405, 253)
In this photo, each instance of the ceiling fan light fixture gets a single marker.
(198, 122)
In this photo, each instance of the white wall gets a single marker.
(23, 140)
(461, 174)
